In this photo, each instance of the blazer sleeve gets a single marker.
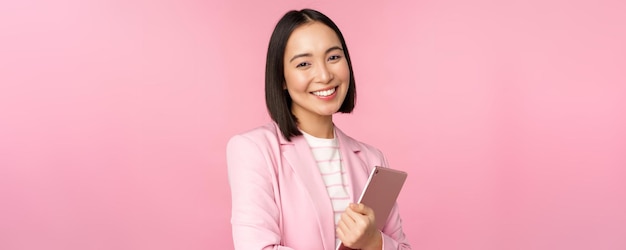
(393, 236)
(255, 215)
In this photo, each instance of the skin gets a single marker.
(357, 228)
(314, 61)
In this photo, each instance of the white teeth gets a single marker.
(325, 93)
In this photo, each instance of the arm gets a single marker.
(255, 215)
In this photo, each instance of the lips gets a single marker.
(325, 93)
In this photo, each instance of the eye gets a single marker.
(302, 64)
(334, 58)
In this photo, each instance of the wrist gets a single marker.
(376, 242)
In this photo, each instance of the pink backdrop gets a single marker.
(510, 117)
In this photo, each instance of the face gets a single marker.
(316, 72)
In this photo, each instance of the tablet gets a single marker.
(380, 193)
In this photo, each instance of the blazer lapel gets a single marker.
(297, 154)
(357, 168)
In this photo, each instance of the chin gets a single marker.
(329, 112)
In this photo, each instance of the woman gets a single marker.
(293, 181)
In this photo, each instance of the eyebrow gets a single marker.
(309, 54)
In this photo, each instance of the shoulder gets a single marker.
(266, 131)
(262, 137)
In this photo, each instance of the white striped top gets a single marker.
(328, 158)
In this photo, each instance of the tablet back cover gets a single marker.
(381, 191)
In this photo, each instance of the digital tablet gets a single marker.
(380, 193)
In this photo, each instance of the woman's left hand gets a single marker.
(357, 228)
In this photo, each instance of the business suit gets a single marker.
(279, 200)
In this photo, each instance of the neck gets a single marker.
(320, 127)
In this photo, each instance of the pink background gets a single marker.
(510, 117)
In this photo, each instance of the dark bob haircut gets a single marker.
(277, 98)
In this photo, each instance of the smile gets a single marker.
(325, 93)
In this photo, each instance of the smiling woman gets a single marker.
(293, 181)
(316, 77)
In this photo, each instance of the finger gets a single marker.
(361, 208)
(353, 215)
(365, 211)
(361, 221)
(341, 229)
(348, 218)
(344, 233)
(360, 218)
(358, 223)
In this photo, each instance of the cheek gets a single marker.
(296, 81)
(343, 72)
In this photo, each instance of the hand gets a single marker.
(357, 228)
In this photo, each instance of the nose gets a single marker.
(324, 74)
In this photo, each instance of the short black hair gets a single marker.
(277, 98)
